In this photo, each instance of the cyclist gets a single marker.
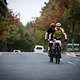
(51, 31)
(49, 36)
(55, 33)
(58, 32)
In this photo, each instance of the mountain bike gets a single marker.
(54, 51)
(57, 51)
(51, 51)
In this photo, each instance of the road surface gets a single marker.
(33, 66)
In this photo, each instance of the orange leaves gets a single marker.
(14, 18)
(7, 23)
(4, 36)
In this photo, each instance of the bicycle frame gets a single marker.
(58, 42)
(55, 50)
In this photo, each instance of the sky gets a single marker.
(28, 9)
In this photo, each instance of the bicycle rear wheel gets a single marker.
(57, 53)
(51, 52)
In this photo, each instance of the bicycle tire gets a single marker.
(57, 53)
(51, 52)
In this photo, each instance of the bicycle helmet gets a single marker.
(52, 25)
(58, 24)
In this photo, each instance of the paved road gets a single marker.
(31, 66)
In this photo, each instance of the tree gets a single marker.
(72, 18)
(17, 42)
(7, 23)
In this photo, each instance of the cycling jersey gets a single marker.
(58, 33)
(51, 31)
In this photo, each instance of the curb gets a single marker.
(73, 54)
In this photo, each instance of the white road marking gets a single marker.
(71, 54)
(71, 63)
(0, 53)
(68, 62)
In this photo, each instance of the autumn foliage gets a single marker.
(67, 12)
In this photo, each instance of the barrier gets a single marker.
(75, 46)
